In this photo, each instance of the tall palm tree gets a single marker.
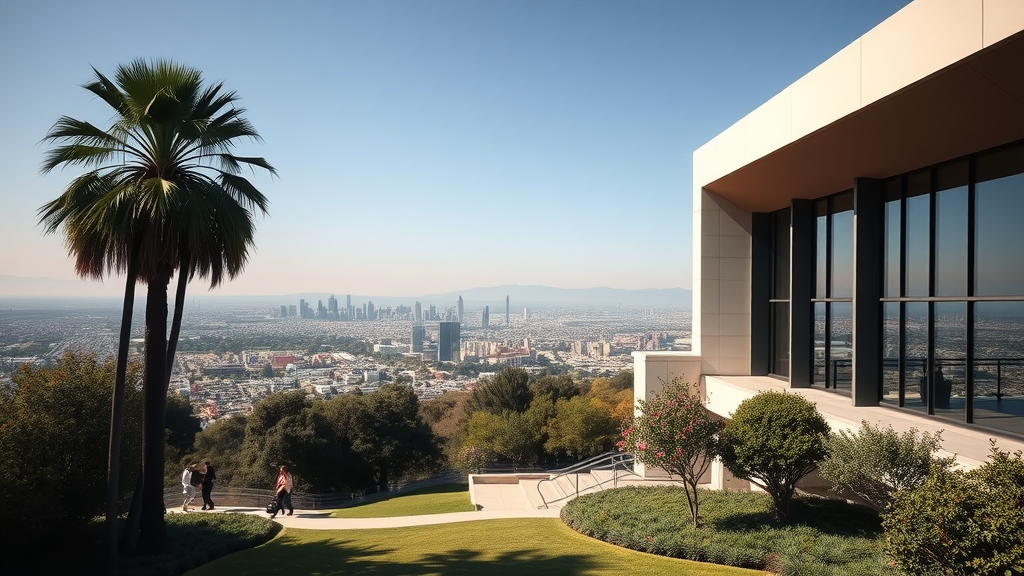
(162, 196)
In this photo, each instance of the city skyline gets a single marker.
(521, 128)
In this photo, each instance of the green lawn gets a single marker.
(434, 500)
(513, 547)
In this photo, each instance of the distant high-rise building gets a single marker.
(418, 335)
(292, 312)
(461, 318)
(419, 313)
(448, 342)
(371, 312)
(284, 311)
(508, 317)
(332, 306)
(304, 310)
(526, 313)
(348, 306)
(486, 322)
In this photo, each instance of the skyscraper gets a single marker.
(461, 318)
(486, 322)
(332, 306)
(349, 308)
(419, 313)
(448, 342)
(418, 333)
(508, 318)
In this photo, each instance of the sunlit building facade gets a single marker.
(858, 238)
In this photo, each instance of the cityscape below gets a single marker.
(232, 352)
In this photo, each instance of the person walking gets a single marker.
(283, 492)
(188, 477)
(209, 475)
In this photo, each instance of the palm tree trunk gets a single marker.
(152, 529)
(179, 303)
(116, 415)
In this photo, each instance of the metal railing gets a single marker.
(232, 497)
(614, 461)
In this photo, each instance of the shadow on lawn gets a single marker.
(340, 556)
(827, 515)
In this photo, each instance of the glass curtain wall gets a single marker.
(779, 298)
(833, 301)
(953, 294)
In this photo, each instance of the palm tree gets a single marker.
(162, 196)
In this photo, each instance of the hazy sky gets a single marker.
(431, 146)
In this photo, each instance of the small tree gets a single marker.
(677, 433)
(773, 440)
(874, 463)
(959, 523)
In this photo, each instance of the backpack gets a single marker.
(197, 478)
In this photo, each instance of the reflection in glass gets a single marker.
(822, 253)
(918, 229)
(999, 364)
(780, 338)
(819, 343)
(890, 352)
(999, 237)
(892, 249)
(840, 350)
(916, 354)
(842, 255)
(949, 377)
(950, 242)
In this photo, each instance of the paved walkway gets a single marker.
(494, 502)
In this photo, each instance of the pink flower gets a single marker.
(641, 446)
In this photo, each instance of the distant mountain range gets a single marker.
(519, 296)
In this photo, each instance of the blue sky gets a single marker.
(431, 146)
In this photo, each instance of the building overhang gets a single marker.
(975, 104)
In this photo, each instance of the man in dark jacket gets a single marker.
(208, 477)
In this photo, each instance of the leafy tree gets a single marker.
(618, 402)
(508, 390)
(622, 381)
(961, 523)
(555, 387)
(221, 444)
(582, 427)
(773, 440)
(266, 432)
(446, 415)
(162, 197)
(677, 433)
(509, 435)
(51, 444)
(874, 463)
(182, 424)
(389, 435)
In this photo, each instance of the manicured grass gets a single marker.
(434, 500)
(826, 537)
(512, 547)
(192, 540)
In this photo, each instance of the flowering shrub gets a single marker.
(675, 432)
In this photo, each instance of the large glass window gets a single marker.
(779, 299)
(999, 229)
(833, 302)
(952, 326)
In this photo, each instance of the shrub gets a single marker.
(773, 440)
(876, 462)
(54, 432)
(961, 522)
(677, 433)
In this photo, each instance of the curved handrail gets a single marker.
(613, 460)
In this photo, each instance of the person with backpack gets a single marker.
(209, 475)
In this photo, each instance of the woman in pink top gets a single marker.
(283, 492)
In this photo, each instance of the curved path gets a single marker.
(321, 520)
